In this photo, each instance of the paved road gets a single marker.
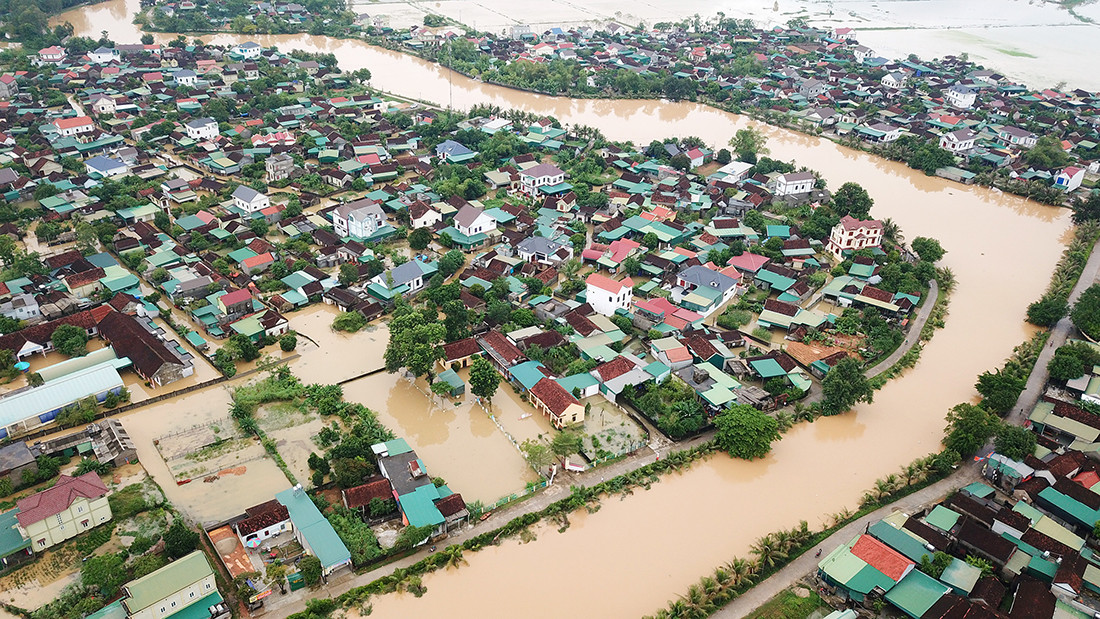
(914, 332)
(807, 563)
(1038, 378)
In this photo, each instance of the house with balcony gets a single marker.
(853, 234)
(72, 506)
(607, 296)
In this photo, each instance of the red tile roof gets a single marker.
(553, 395)
(614, 368)
(890, 562)
(502, 346)
(53, 501)
(606, 283)
(450, 505)
(237, 296)
(263, 516)
(70, 123)
(377, 487)
(460, 349)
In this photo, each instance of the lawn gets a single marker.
(787, 605)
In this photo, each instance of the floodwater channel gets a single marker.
(633, 555)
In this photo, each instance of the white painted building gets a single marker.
(359, 219)
(249, 200)
(960, 96)
(794, 183)
(248, 50)
(853, 234)
(471, 220)
(606, 295)
(542, 175)
(958, 141)
(77, 125)
(201, 129)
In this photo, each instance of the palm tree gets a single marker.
(454, 556)
(783, 541)
(947, 279)
(892, 231)
(740, 571)
(767, 551)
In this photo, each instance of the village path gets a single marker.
(1058, 335)
(914, 332)
(785, 578)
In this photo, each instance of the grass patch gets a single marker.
(1015, 52)
(787, 605)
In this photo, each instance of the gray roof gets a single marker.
(14, 456)
(450, 148)
(201, 122)
(405, 273)
(702, 276)
(538, 244)
(246, 193)
(467, 215)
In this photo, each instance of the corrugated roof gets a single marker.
(942, 518)
(175, 576)
(59, 392)
(318, 533)
(916, 593)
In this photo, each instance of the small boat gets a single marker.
(525, 416)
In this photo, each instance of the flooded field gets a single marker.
(458, 443)
(335, 356)
(236, 488)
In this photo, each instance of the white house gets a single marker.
(606, 295)
(73, 505)
(201, 129)
(794, 183)
(248, 50)
(359, 219)
(843, 34)
(249, 200)
(77, 125)
(852, 234)
(103, 55)
(185, 77)
(423, 216)
(881, 132)
(471, 220)
(543, 250)
(895, 80)
(1015, 136)
(961, 96)
(1069, 178)
(52, 54)
(862, 53)
(262, 522)
(958, 141)
(102, 104)
(105, 167)
(542, 175)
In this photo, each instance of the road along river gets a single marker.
(633, 555)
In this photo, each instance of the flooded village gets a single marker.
(310, 311)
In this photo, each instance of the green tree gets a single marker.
(457, 321)
(723, 157)
(748, 143)
(1047, 154)
(844, 386)
(105, 574)
(310, 568)
(1086, 312)
(1086, 209)
(484, 379)
(852, 199)
(1047, 311)
(537, 453)
(349, 274)
(288, 341)
(928, 249)
(70, 340)
(244, 346)
(745, 432)
(1014, 441)
(651, 240)
(451, 262)
(566, 443)
(410, 537)
(968, 428)
(349, 321)
(680, 162)
(414, 344)
(1073, 360)
(1000, 389)
(179, 539)
(420, 238)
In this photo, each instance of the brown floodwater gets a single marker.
(633, 555)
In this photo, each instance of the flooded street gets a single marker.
(651, 546)
(334, 356)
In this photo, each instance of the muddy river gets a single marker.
(648, 548)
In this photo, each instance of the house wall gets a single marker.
(81, 516)
(274, 529)
(178, 601)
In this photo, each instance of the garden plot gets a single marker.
(608, 431)
(204, 451)
(293, 431)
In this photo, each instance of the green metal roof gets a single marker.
(899, 541)
(175, 576)
(979, 490)
(942, 518)
(10, 539)
(199, 609)
(419, 506)
(318, 533)
(115, 610)
(961, 576)
(916, 593)
(767, 368)
(1080, 512)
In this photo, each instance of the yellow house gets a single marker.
(72, 506)
(556, 403)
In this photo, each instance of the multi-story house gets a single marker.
(201, 128)
(852, 234)
(185, 582)
(73, 505)
(249, 200)
(542, 175)
(360, 219)
(606, 295)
